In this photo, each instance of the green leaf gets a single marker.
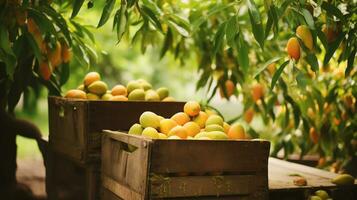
(243, 51)
(45, 25)
(153, 7)
(152, 17)
(77, 4)
(256, 22)
(36, 50)
(6, 53)
(308, 18)
(331, 9)
(312, 60)
(232, 29)
(122, 21)
(265, 65)
(219, 38)
(65, 71)
(180, 30)
(332, 48)
(350, 62)
(107, 10)
(183, 22)
(278, 73)
(167, 43)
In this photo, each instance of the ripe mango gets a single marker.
(303, 32)
(214, 119)
(91, 96)
(137, 95)
(293, 48)
(179, 131)
(330, 32)
(166, 125)
(150, 133)
(174, 137)
(217, 135)
(90, 78)
(315, 198)
(314, 136)
(200, 135)
(151, 95)
(76, 94)
(192, 108)
(119, 98)
(229, 87)
(149, 119)
(192, 128)
(81, 87)
(169, 99)
(162, 136)
(343, 179)
(45, 71)
(214, 127)
(107, 96)
(119, 90)
(181, 118)
(66, 53)
(55, 55)
(236, 132)
(257, 91)
(201, 119)
(135, 129)
(248, 115)
(163, 92)
(226, 127)
(98, 87)
(132, 85)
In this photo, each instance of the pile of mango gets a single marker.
(192, 123)
(93, 88)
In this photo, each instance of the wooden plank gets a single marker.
(195, 186)
(120, 190)
(175, 156)
(280, 178)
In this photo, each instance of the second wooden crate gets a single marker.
(75, 125)
(183, 168)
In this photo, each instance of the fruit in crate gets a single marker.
(135, 90)
(191, 124)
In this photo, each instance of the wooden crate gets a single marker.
(75, 125)
(184, 169)
(67, 180)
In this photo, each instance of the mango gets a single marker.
(257, 91)
(91, 96)
(293, 48)
(137, 95)
(322, 194)
(119, 90)
(149, 119)
(162, 136)
(90, 78)
(81, 87)
(229, 87)
(119, 98)
(150, 133)
(163, 92)
(169, 99)
(181, 118)
(66, 53)
(76, 94)
(343, 179)
(144, 84)
(151, 95)
(45, 71)
(98, 87)
(166, 125)
(192, 128)
(179, 131)
(174, 137)
(226, 127)
(303, 32)
(214, 119)
(107, 96)
(248, 115)
(217, 135)
(201, 134)
(315, 198)
(214, 127)
(132, 85)
(192, 108)
(201, 119)
(330, 33)
(236, 132)
(135, 129)
(314, 136)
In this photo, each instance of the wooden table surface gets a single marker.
(282, 173)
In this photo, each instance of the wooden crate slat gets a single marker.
(194, 186)
(172, 156)
(120, 190)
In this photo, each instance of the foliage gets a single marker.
(242, 41)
